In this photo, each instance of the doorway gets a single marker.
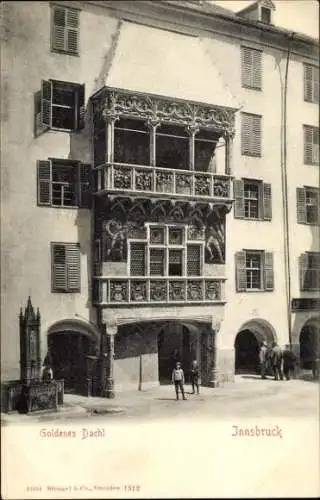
(175, 343)
(309, 344)
(247, 353)
(69, 351)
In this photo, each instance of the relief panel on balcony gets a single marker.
(126, 218)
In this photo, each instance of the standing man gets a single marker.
(178, 380)
(276, 360)
(195, 375)
(263, 356)
(289, 362)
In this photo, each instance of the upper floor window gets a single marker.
(65, 258)
(251, 134)
(308, 205)
(253, 199)
(254, 270)
(60, 105)
(131, 142)
(309, 264)
(65, 30)
(311, 145)
(64, 183)
(251, 68)
(167, 252)
(172, 147)
(265, 15)
(311, 83)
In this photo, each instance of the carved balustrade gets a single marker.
(158, 290)
(154, 180)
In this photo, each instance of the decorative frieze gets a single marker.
(156, 110)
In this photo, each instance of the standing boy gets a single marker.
(195, 375)
(178, 380)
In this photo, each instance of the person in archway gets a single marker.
(263, 356)
(195, 376)
(289, 361)
(178, 380)
(276, 361)
(315, 365)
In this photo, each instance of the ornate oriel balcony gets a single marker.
(161, 147)
(158, 290)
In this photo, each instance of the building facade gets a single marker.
(159, 189)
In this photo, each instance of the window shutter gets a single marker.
(268, 271)
(72, 41)
(316, 85)
(301, 206)
(59, 268)
(308, 141)
(46, 103)
(246, 66)
(256, 136)
(193, 260)
(267, 202)
(59, 28)
(238, 189)
(81, 108)
(73, 267)
(308, 82)
(256, 73)
(85, 185)
(241, 275)
(44, 182)
(315, 146)
(137, 259)
(303, 271)
(245, 134)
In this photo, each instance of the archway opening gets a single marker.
(70, 342)
(309, 344)
(246, 352)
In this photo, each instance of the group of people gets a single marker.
(178, 379)
(277, 362)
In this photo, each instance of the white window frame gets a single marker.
(261, 270)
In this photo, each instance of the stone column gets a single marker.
(228, 157)
(111, 332)
(214, 382)
(152, 125)
(192, 130)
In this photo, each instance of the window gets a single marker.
(311, 83)
(65, 259)
(265, 15)
(65, 30)
(311, 145)
(308, 205)
(59, 105)
(131, 142)
(252, 199)
(251, 135)
(254, 271)
(251, 68)
(309, 264)
(172, 147)
(167, 252)
(204, 150)
(64, 183)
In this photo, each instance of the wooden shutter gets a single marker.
(241, 275)
(308, 145)
(137, 259)
(256, 135)
(46, 103)
(44, 173)
(59, 28)
(308, 82)
(72, 32)
(257, 69)
(303, 271)
(238, 190)
(267, 202)
(245, 133)
(301, 206)
(81, 108)
(85, 185)
(315, 146)
(59, 267)
(73, 267)
(268, 271)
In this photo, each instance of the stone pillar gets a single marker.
(228, 157)
(152, 125)
(214, 382)
(192, 130)
(111, 332)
